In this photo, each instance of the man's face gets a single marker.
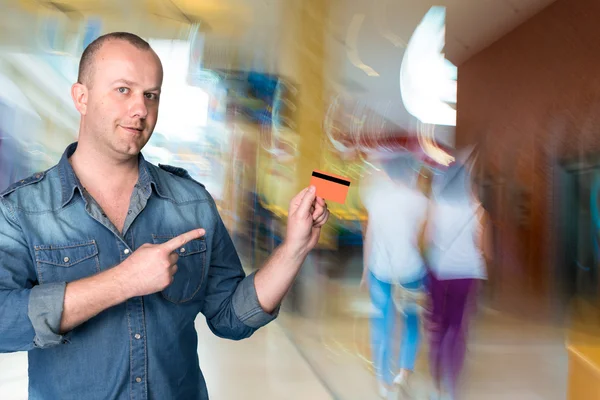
(123, 96)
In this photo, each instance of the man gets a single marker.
(106, 260)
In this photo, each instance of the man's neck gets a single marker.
(100, 171)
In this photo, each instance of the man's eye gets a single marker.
(123, 90)
(151, 96)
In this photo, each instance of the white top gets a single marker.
(396, 214)
(455, 232)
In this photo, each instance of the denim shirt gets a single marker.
(53, 232)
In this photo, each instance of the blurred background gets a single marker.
(259, 93)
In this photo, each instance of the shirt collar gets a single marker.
(70, 182)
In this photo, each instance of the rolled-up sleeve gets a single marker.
(231, 305)
(30, 313)
(45, 312)
(246, 305)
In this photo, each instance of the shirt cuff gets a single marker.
(45, 313)
(246, 305)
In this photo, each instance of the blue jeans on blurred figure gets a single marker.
(383, 324)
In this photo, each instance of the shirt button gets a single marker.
(182, 250)
(66, 259)
(126, 251)
(138, 336)
(129, 212)
(138, 379)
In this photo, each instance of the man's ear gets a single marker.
(79, 94)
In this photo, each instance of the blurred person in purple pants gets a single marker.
(455, 237)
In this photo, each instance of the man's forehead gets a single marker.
(117, 62)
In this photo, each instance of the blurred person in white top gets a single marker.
(396, 210)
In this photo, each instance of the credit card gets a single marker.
(330, 187)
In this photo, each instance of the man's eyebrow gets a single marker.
(130, 83)
(125, 81)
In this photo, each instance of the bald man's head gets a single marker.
(118, 94)
(86, 64)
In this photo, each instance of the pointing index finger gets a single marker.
(180, 241)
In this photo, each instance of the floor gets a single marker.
(507, 359)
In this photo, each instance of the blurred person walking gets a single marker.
(393, 268)
(454, 238)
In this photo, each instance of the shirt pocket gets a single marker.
(190, 269)
(66, 262)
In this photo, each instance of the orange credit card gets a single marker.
(330, 187)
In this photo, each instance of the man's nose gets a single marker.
(138, 106)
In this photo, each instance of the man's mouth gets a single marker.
(133, 129)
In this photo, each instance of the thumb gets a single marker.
(307, 201)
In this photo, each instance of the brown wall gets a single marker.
(531, 99)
